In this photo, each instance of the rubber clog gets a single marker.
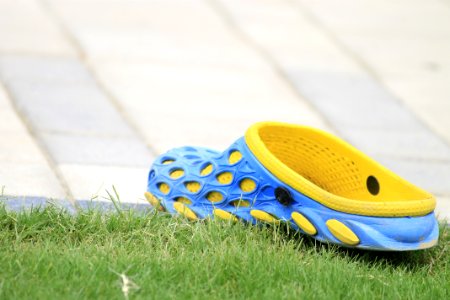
(305, 177)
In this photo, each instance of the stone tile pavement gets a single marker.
(92, 90)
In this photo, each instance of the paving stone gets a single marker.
(19, 147)
(157, 77)
(27, 178)
(216, 132)
(428, 97)
(401, 55)
(59, 95)
(101, 150)
(369, 116)
(418, 144)
(24, 169)
(74, 119)
(410, 57)
(353, 100)
(433, 176)
(91, 182)
(71, 108)
(9, 122)
(418, 19)
(288, 34)
(182, 32)
(26, 28)
(52, 70)
(443, 208)
(205, 102)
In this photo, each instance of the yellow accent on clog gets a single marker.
(303, 223)
(154, 201)
(342, 232)
(206, 170)
(185, 211)
(214, 196)
(167, 161)
(334, 173)
(240, 203)
(225, 178)
(247, 185)
(164, 188)
(193, 186)
(177, 173)
(224, 215)
(264, 216)
(429, 244)
(234, 157)
(183, 200)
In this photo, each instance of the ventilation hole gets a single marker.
(177, 173)
(183, 200)
(283, 196)
(206, 170)
(240, 203)
(225, 178)
(167, 161)
(372, 185)
(151, 175)
(192, 186)
(235, 156)
(190, 156)
(214, 196)
(164, 188)
(247, 185)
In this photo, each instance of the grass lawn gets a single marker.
(49, 254)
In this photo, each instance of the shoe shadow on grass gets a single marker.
(408, 260)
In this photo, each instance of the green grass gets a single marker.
(49, 254)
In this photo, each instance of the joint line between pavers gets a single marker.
(359, 61)
(43, 149)
(83, 59)
(227, 17)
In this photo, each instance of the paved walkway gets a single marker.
(92, 90)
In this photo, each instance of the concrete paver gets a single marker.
(115, 151)
(24, 169)
(443, 208)
(205, 101)
(76, 123)
(398, 40)
(203, 80)
(26, 28)
(175, 32)
(92, 182)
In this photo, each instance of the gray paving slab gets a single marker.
(432, 176)
(43, 69)
(352, 100)
(70, 114)
(64, 99)
(362, 111)
(74, 109)
(97, 150)
(414, 144)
